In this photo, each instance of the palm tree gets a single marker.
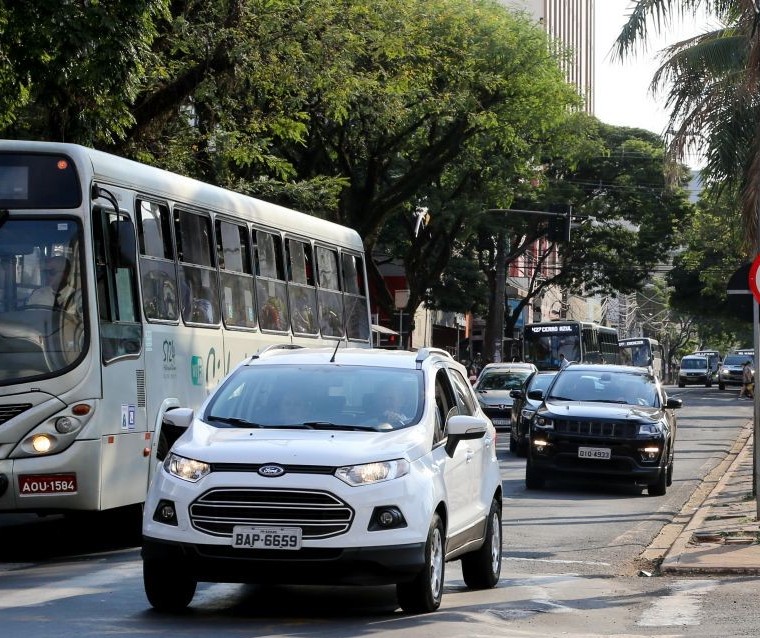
(712, 85)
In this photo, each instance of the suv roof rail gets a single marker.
(424, 353)
(276, 346)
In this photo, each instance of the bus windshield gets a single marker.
(544, 344)
(636, 353)
(42, 327)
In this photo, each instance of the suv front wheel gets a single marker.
(424, 593)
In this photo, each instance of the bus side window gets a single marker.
(236, 275)
(157, 268)
(199, 287)
(329, 296)
(355, 297)
(271, 288)
(301, 289)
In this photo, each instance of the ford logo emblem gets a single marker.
(271, 470)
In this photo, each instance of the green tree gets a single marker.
(711, 88)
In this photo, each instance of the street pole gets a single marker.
(499, 295)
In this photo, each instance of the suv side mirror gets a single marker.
(536, 395)
(463, 427)
(516, 394)
(673, 403)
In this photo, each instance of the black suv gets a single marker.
(603, 421)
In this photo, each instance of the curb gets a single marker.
(671, 563)
(663, 553)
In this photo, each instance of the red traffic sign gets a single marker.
(754, 284)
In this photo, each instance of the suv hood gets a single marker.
(596, 410)
(203, 442)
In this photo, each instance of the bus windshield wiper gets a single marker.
(236, 421)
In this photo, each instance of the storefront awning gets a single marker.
(383, 330)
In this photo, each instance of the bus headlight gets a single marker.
(66, 425)
(186, 469)
(42, 443)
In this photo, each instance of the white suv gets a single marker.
(317, 466)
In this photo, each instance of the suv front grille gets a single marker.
(610, 429)
(318, 514)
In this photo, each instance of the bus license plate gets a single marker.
(266, 537)
(29, 484)
(594, 453)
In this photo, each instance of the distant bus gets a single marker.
(642, 351)
(170, 283)
(581, 341)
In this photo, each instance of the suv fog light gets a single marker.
(540, 444)
(388, 517)
(649, 453)
(165, 513)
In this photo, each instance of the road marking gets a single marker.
(556, 560)
(680, 607)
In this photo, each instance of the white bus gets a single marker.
(643, 352)
(582, 341)
(168, 283)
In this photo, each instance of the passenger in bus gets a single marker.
(56, 293)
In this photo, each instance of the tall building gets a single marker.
(571, 23)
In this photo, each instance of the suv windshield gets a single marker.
(607, 387)
(318, 396)
(737, 360)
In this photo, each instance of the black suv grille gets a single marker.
(597, 428)
(318, 514)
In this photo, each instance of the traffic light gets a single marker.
(559, 225)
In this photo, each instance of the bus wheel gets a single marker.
(168, 586)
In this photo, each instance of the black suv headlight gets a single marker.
(544, 422)
(650, 428)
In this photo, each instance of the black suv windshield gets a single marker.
(607, 387)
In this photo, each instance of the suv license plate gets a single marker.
(266, 537)
(594, 453)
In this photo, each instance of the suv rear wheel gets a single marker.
(481, 568)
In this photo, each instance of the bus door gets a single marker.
(123, 426)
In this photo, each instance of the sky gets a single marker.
(622, 89)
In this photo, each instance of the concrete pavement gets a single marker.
(717, 532)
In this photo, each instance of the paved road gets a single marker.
(570, 570)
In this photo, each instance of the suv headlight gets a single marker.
(186, 469)
(543, 422)
(527, 414)
(368, 473)
(650, 428)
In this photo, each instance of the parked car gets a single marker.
(495, 382)
(732, 370)
(524, 408)
(607, 422)
(694, 368)
(326, 466)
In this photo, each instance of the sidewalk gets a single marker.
(718, 531)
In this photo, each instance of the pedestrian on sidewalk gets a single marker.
(748, 385)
